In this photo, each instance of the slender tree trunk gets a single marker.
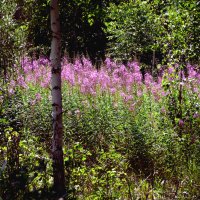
(55, 57)
(153, 62)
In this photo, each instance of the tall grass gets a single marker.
(127, 135)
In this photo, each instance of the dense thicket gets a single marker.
(82, 25)
(153, 32)
(157, 31)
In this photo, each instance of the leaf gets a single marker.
(84, 158)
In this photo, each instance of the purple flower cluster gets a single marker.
(115, 78)
(31, 72)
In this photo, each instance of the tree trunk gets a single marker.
(55, 57)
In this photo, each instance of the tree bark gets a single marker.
(57, 142)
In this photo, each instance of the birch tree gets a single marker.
(57, 143)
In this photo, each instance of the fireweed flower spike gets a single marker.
(181, 123)
(112, 77)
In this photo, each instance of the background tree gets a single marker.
(178, 26)
(86, 35)
(170, 28)
(131, 30)
(13, 32)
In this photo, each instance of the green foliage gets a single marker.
(13, 36)
(82, 27)
(178, 23)
(131, 29)
(24, 163)
(140, 27)
(110, 151)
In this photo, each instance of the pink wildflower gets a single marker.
(38, 96)
(181, 123)
(148, 79)
(171, 70)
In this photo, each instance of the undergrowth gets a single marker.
(127, 135)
